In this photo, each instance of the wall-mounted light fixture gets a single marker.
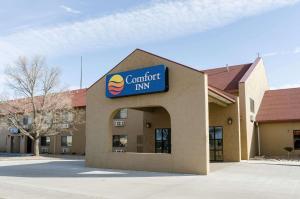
(229, 121)
(148, 124)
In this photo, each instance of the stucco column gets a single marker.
(8, 145)
(236, 147)
(206, 124)
(22, 144)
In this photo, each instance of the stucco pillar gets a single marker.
(206, 123)
(236, 138)
(22, 144)
(8, 145)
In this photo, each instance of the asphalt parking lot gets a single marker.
(69, 178)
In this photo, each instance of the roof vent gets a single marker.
(227, 67)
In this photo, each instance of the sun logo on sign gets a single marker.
(116, 84)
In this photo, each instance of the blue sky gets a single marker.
(198, 33)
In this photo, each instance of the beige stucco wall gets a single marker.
(135, 124)
(78, 141)
(23, 143)
(254, 87)
(3, 139)
(187, 103)
(159, 118)
(218, 116)
(275, 136)
(14, 144)
(78, 138)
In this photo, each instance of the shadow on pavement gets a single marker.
(277, 164)
(4, 154)
(71, 168)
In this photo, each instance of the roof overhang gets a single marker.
(219, 97)
(278, 121)
(250, 70)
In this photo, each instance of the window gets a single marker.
(119, 140)
(27, 120)
(45, 141)
(162, 140)
(67, 117)
(66, 141)
(252, 105)
(122, 114)
(48, 119)
(216, 143)
(297, 139)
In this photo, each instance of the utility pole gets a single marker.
(80, 72)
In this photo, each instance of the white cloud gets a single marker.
(70, 10)
(287, 52)
(271, 54)
(160, 20)
(72, 87)
(297, 50)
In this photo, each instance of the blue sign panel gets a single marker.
(135, 82)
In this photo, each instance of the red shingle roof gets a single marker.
(226, 79)
(219, 79)
(280, 106)
(78, 97)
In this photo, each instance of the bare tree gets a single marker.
(43, 109)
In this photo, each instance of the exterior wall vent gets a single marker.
(65, 126)
(119, 123)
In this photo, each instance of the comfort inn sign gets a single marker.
(135, 82)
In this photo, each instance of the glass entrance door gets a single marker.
(163, 140)
(216, 143)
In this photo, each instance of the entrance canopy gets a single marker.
(219, 97)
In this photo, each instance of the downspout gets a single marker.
(258, 139)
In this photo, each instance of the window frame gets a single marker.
(66, 143)
(169, 141)
(67, 117)
(213, 151)
(119, 140)
(119, 116)
(46, 141)
(25, 120)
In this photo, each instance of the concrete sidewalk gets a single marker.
(50, 178)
